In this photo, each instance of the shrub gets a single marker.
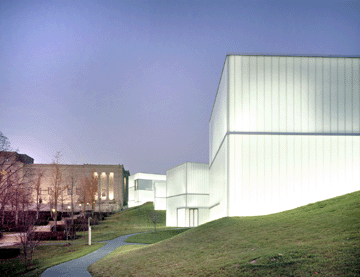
(9, 253)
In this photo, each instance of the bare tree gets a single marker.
(154, 217)
(87, 190)
(71, 186)
(15, 184)
(57, 186)
(37, 187)
(4, 143)
(29, 240)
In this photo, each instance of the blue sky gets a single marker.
(133, 82)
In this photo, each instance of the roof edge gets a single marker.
(292, 55)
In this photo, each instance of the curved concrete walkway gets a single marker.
(78, 267)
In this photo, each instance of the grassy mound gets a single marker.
(318, 239)
(133, 220)
(152, 237)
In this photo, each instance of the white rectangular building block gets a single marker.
(187, 195)
(283, 132)
(142, 188)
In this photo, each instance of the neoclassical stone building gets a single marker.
(112, 181)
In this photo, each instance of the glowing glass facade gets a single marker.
(284, 132)
(187, 195)
(142, 189)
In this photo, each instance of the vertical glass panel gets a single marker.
(253, 170)
(304, 79)
(237, 104)
(334, 158)
(283, 168)
(342, 164)
(275, 94)
(253, 90)
(261, 168)
(290, 95)
(311, 94)
(319, 91)
(290, 152)
(268, 166)
(218, 119)
(348, 89)
(320, 163)
(341, 95)
(305, 165)
(297, 94)
(356, 95)
(349, 161)
(260, 94)
(356, 162)
(234, 182)
(327, 165)
(275, 196)
(298, 169)
(268, 95)
(245, 81)
(326, 95)
(245, 153)
(231, 92)
(282, 94)
(312, 168)
(333, 95)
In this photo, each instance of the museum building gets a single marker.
(284, 132)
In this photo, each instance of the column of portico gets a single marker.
(107, 189)
(99, 186)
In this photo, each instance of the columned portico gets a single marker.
(106, 185)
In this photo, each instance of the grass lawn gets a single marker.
(129, 221)
(133, 220)
(321, 239)
(153, 237)
(45, 256)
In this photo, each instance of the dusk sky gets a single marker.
(134, 82)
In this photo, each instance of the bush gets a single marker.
(41, 222)
(9, 253)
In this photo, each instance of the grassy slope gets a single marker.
(45, 257)
(133, 220)
(153, 237)
(318, 239)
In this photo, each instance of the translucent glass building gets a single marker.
(187, 195)
(284, 132)
(142, 187)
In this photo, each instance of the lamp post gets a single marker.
(89, 227)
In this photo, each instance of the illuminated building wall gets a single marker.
(141, 188)
(187, 195)
(160, 195)
(284, 132)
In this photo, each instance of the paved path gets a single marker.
(78, 267)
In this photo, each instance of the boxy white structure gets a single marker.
(160, 195)
(142, 187)
(187, 195)
(284, 132)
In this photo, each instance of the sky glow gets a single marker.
(134, 82)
